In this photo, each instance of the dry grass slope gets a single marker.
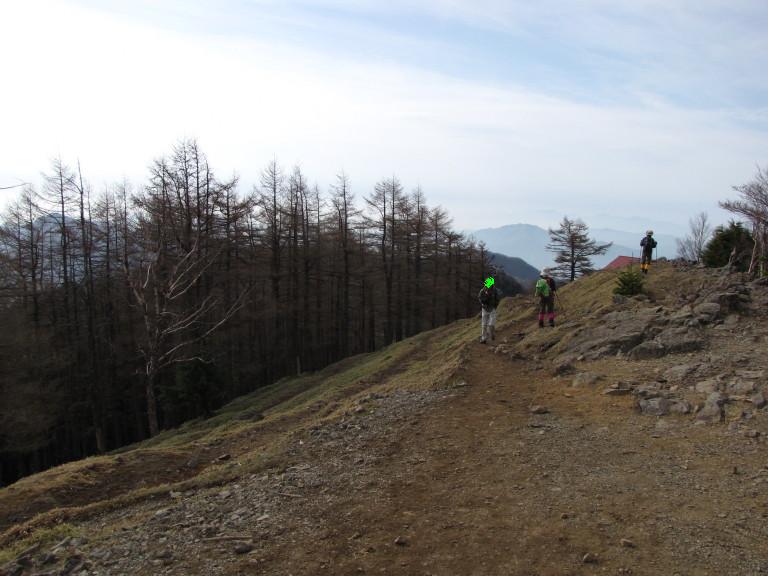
(252, 429)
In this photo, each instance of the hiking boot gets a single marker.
(482, 341)
(541, 324)
(551, 324)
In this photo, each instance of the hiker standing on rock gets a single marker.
(648, 244)
(489, 299)
(545, 290)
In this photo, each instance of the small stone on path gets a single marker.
(537, 409)
(585, 379)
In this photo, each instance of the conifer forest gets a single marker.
(132, 308)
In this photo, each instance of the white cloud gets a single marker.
(116, 93)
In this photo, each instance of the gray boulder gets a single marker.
(707, 311)
(683, 315)
(648, 391)
(734, 299)
(618, 332)
(680, 372)
(655, 406)
(679, 339)
(681, 407)
(713, 409)
(649, 349)
(670, 341)
(707, 386)
(741, 387)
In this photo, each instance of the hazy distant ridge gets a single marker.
(516, 267)
(529, 243)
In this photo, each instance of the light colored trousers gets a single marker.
(488, 324)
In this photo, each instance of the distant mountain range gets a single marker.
(517, 268)
(529, 243)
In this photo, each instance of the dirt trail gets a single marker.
(482, 486)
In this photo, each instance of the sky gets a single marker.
(626, 114)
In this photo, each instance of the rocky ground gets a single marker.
(628, 440)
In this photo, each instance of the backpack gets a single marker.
(489, 297)
(542, 287)
(646, 244)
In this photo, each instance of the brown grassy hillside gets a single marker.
(627, 440)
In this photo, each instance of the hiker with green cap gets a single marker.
(489, 299)
(648, 244)
(545, 290)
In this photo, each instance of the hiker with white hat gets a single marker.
(648, 243)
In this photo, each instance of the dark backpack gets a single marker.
(648, 246)
(489, 297)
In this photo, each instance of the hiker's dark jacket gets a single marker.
(648, 244)
(489, 298)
